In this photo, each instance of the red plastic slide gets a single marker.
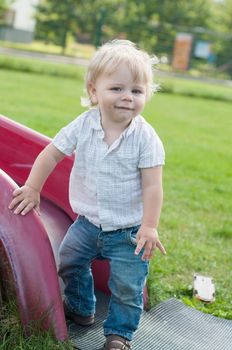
(28, 245)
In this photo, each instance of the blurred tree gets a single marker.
(151, 24)
(55, 21)
(154, 24)
(99, 18)
(222, 25)
(4, 5)
(74, 17)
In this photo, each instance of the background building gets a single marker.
(19, 22)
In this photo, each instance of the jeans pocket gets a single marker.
(131, 236)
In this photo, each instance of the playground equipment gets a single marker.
(28, 262)
(29, 245)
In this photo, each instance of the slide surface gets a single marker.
(27, 266)
(29, 245)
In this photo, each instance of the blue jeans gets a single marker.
(82, 244)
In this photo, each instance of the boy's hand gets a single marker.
(25, 199)
(148, 238)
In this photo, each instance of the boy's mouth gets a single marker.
(124, 108)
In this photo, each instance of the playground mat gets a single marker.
(171, 325)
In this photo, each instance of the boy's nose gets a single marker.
(127, 96)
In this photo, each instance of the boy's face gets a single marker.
(119, 98)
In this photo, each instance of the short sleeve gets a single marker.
(152, 150)
(67, 137)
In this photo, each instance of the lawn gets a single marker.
(196, 224)
(73, 49)
(196, 220)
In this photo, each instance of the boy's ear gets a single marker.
(92, 92)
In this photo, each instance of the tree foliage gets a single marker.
(223, 40)
(152, 24)
(75, 17)
(4, 4)
(55, 21)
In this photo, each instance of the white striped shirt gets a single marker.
(105, 182)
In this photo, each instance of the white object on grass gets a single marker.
(203, 288)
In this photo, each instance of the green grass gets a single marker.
(196, 223)
(13, 338)
(73, 49)
(29, 65)
(41, 102)
(192, 88)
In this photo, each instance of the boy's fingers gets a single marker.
(21, 207)
(14, 202)
(28, 208)
(139, 246)
(148, 251)
(161, 247)
(11, 205)
(149, 248)
(16, 192)
(24, 207)
(18, 197)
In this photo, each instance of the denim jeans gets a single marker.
(85, 242)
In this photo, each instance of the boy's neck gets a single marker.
(112, 130)
(109, 126)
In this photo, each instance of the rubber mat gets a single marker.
(171, 325)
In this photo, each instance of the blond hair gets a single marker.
(114, 53)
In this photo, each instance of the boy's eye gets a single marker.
(137, 91)
(115, 88)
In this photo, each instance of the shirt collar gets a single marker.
(96, 122)
(130, 128)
